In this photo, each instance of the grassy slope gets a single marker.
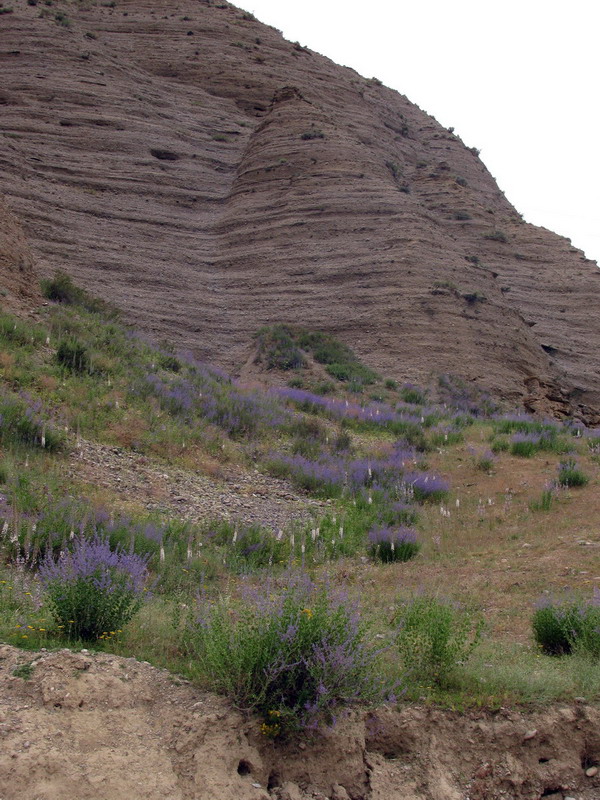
(482, 545)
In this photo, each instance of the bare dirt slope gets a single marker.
(84, 727)
(19, 286)
(209, 177)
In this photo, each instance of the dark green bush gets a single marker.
(61, 289)
(562, 627)
(569, 474)
(73, 355)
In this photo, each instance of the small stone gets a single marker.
(339, 793)
(290, 791)
(530, 734)
(591, 772)
(257, 785)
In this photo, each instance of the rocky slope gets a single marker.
(189, 164)
(80, 725)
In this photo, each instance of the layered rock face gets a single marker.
(208, 177)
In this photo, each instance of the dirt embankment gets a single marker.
(88, 726)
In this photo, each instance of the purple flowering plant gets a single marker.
(92, 590)
(296, 655)
(562, 625)
(393, 544)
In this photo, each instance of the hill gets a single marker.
(209, 178)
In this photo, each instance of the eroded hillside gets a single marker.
(210, 177)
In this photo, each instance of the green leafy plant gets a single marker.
(569, 474)
(435, 637)
(296, 657)
(73, 355)
(62, 289)
(563, 626)
(93, 591)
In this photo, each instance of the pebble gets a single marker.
(591, 772)
(530, 734)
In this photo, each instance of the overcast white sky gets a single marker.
(517, 79)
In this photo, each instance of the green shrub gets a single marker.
(18, 332)
(61, 289)
(24, 422)
(562, 627)
(500, 445)
(73, 355)
(312, 134)
(92, 590)
(296, 657)
(435, 637)
(278, 349)
(569, 474)
(412, 394)
(496, 236)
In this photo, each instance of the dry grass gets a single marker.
(493, 550)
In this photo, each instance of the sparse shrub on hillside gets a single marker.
(464, 397)
(62, 19)
(93, 591)
(315, 133)
(474, 297)
(23, 421)
(73, 355)
(569, 474)
(435, 637)
(324, 387)
(568, 625)
(296, 657)
(277, 347)
(500, 444)
(412, 394)
(393, 544)
(545, 501)
(524, 444)
(496, 236)
(394, 169)
(18, 332)
(462, 216)
(485, 461)
(61, 289)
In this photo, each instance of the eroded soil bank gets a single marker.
(99, 727)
